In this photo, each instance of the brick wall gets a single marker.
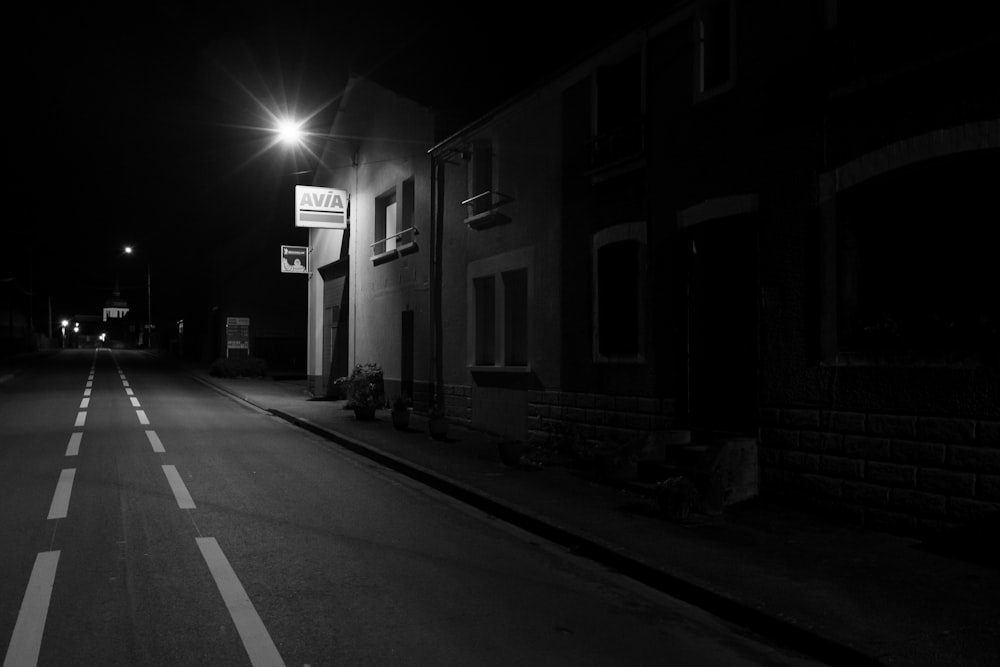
(901, 473)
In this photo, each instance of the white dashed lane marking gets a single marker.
(26, 640)
(73, 448)
(81, 419)
(154, 441)
(60, 501)
(184, 500)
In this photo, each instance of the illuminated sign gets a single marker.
(320, 207)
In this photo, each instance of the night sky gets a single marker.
(148, 126)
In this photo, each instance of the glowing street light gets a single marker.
(290, 131)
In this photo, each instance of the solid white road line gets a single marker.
(184, 500)
(26, 640)
(81, 419)
(143, 419)
(256, 640)
(84, 403)
(154, 441)
(73, 448)
(135, 402)
(60, 501)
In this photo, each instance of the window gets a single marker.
(485, 290)
(393, 228)
(515, 317)
(385, 223)
(618, 127)
(499, 300)
(714, 46)
(481, 176)
(914, 263)
(483, 198)
(619, 293)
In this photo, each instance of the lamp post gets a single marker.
(149, 302)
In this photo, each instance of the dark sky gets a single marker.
(145, 126)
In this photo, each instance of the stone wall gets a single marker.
(901, 473)
(596, 417)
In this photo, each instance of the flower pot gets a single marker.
(401, 419)
(364, 413)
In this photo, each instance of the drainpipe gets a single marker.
(437, 243)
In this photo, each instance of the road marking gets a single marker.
(74, 444)
(124, 383)
(128, 391)
(26, 640)
(154, 441)
(143, 419)
(256, 640)
(86, 392)
(90, 383)
(184, 500)
(60, 501)
(135, 402)
(81, 419)
(84, 403)
(90, 377)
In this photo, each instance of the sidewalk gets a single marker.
(841, 594)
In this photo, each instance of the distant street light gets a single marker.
(149, 302)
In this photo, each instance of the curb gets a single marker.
(771, 626)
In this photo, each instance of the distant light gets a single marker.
(65, 323)
(290, 131)
(128, 250)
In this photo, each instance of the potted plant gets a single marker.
(365, 390)
(437, 423)
(400, 413)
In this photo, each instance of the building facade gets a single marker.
(369, 288)
(748, 220)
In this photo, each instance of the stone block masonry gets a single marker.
(910, 474)
(595, 417)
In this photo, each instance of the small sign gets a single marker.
(320, 207)
(237, 336)
(294, 259)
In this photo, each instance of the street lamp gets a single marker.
(149, 302)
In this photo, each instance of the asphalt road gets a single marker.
(146, 519)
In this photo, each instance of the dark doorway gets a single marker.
(335, 322)
(722, 347)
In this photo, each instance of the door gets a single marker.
(722, 324)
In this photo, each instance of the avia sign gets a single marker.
(320, 207)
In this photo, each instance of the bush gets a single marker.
(250, 367)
